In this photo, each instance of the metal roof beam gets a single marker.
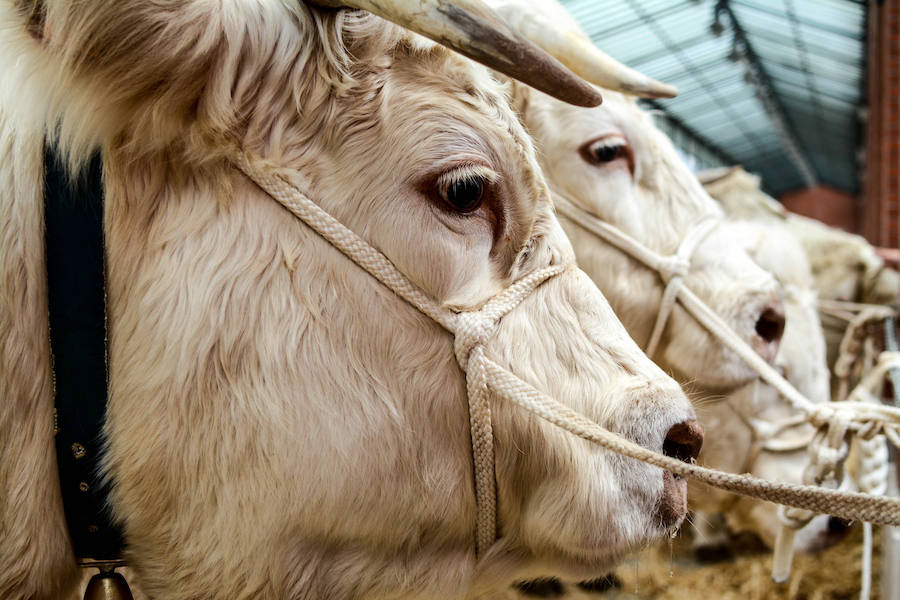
(692, 134)
(806, 23)
(688, 64)
(767, 93)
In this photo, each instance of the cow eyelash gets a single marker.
(464, 188)
(605, 150)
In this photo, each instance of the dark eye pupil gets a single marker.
(606, 153)
(465, 194)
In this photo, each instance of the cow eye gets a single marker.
(464, 195)
(464, 189)
(605, 151)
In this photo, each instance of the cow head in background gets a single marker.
(613, 162)
(279, 424)
(845, 266)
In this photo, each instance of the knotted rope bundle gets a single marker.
(856, 351)
(473, 329)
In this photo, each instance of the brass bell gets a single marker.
(108, 585)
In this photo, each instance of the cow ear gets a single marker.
(476, 31)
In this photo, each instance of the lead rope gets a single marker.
(472, 329)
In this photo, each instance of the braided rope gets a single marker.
(472, 329)
(848, 505)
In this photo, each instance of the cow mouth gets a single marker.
(683, 441)
(673, 503)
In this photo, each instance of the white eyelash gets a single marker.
(611, 142)
(467, 172)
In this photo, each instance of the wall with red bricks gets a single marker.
(827, 204)
(880, 207)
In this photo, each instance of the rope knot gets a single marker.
(673, 266)
(472, 329)
(868, 430)
(820, 415)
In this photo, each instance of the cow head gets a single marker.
(613, 162)
(279, 423)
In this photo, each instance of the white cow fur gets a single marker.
(279, 424)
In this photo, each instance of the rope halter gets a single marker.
(671, 268)
(473, 329)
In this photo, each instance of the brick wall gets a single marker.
(827, 204)
(880, 207)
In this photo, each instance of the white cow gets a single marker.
(748, 436)
(612, 161)
(280, 424)
(845, 266)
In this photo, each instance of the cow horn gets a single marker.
(476, 31)
(575, 50)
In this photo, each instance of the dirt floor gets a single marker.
(659, 574)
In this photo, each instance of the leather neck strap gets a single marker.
(73, 218)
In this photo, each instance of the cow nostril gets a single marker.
(770, 324)
(683, 441)
(838, 525)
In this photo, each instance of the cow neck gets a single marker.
(73, 220)
(473, 329)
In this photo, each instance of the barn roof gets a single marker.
(775, 85)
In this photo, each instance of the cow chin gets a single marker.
(576, 536)
(571, 507)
